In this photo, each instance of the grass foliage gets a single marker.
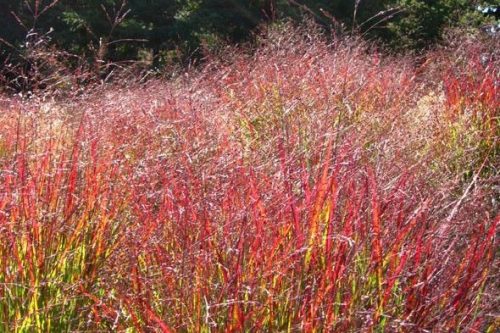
(306, 187)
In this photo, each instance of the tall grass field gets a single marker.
(308, 186)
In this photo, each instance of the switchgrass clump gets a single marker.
(306, 187)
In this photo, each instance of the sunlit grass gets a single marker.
(309, 187)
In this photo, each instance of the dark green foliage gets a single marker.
(424, 21)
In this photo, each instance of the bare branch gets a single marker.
(49, 6)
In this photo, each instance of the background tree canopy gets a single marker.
(160, 31)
